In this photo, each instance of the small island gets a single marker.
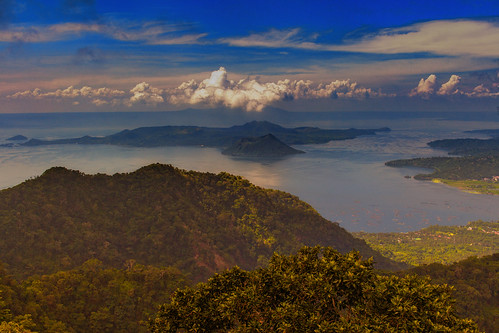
(263, 146)
(17, 138)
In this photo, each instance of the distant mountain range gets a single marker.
(212, 136)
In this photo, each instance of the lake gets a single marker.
(345, 181)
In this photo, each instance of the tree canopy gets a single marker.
(316, 290)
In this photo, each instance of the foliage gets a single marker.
(90, 298)
(158, 215)
(476, 283)
(316, 290)
(13, 327)
(441, 244)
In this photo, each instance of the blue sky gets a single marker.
(86, 55)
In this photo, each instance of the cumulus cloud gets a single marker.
(249, 94)
(483, 91)
(252, 95)
(97, 96)
(453, 86)
(144, 93)
(216, 90)
(450, 87)
(425, 87)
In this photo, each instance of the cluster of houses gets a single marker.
(492, 179)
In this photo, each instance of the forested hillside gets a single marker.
(158, 215)
(87, 253)
(476, 287)
(90, 298)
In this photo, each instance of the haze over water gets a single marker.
(345, 181)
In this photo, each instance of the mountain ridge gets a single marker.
(157, 215)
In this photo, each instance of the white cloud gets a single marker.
(425, 87)
(249, 94)
(272, 38)
(445, 37)
(483, 91)
(450, 87)
(144, 93)
(252, 95)
(97, 96)
(448, 37)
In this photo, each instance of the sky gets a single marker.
(95, 55)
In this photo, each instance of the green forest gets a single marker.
(316, 290)
(87, 253)
(476, 287)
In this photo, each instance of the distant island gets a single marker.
(213, 136)
(17, 138)
(263, 146)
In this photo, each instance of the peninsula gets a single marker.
(475, 171)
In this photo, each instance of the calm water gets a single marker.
(346, 181)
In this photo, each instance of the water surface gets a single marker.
(345, 181)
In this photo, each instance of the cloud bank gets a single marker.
(249, 94)
(252, 95)
(428, 87)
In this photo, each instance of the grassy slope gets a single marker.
(440, 244)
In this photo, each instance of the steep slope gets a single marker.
(157, 215)
(263, 146)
